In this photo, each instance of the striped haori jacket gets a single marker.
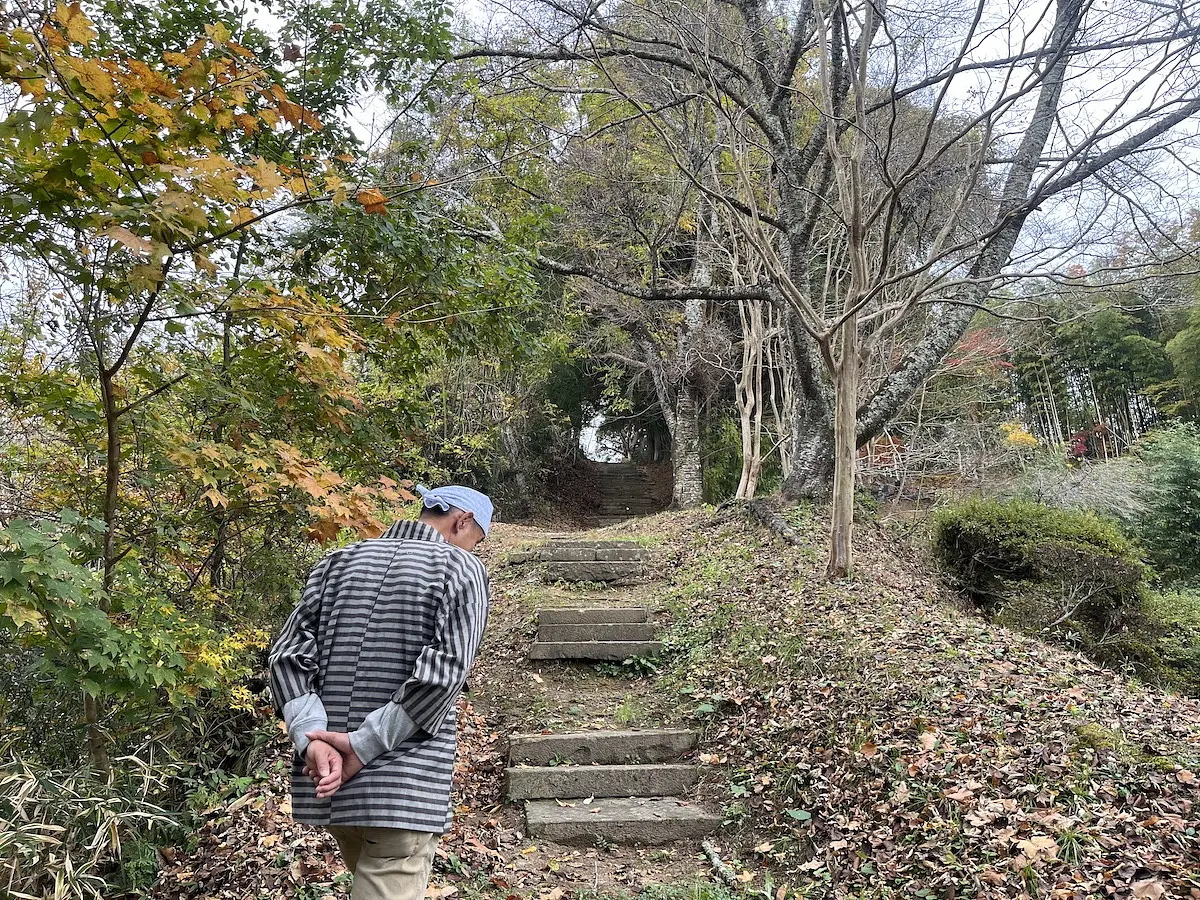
(385, 633)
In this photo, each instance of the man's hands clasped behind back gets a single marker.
(330, 761)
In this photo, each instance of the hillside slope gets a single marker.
(865, 739)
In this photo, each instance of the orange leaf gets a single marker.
(373, 201)
(323, 531)
(869, 749)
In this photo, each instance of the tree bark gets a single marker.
(685, 451)
(841, 547)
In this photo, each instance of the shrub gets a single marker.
(1072, 569)
(1113, 489)
(1169, 527)
(1173, 625)
(65, 835)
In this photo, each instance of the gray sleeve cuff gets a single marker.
(383, 730)
(301, 714)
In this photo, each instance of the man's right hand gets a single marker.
(324, 764)
(340, 741)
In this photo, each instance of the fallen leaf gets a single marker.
(1149, 889)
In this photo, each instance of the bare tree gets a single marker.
(909, 164)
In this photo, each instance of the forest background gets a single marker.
(829, 253)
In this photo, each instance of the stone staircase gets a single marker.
(611, 634)
(598, 787)
(623, 491)
(568, 560)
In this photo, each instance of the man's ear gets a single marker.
(465, 521)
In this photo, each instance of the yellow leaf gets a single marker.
(218, 33)
(127, 238)
(215, 497)
(23, 615)
(79, 29)
(95, 80)
(171, 58)
(746, 877)
(242, 215)
(266, 177)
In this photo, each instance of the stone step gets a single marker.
(638, 820)
(607, 615)
(593, 571)
(571, 782)
(607, 651)
(606, 543)
(587, 748)
(601, 553)
(604, 631)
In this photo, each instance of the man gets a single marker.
(366, 673)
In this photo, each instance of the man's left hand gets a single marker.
(339, 741)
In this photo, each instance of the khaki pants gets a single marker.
(388, 863)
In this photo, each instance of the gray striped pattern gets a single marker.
(394, 619)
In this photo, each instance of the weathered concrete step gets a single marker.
(586, 748)
(593, 571)
(628, 821)
(607, 615)
(569, 782)
(628, 553)
(608, 651)
(606, 631)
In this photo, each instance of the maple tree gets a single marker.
(134, 189)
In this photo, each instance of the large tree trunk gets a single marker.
(685, 451)
(810, 475)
